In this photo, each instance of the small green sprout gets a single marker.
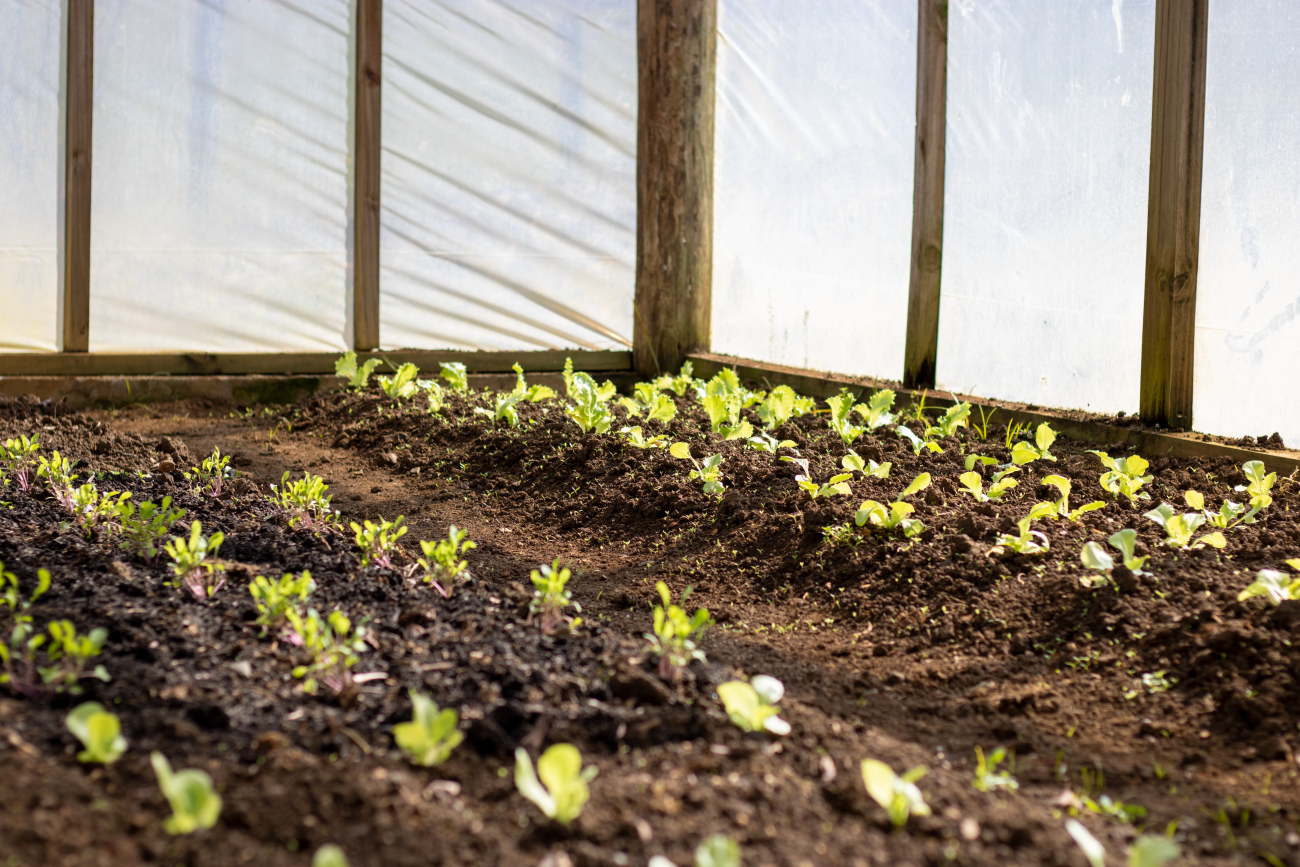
(1230, 514)
(67, 653)
(753, 706)
(195, 803)
(1014, 430)
(1179, 528)
(878, 516)
(678, 384)
(983, 428)
(987, 777)
(357, 376)
(1260, 483)
(208, 476)
(717, 850)
(402, 384)
(707, 473)
(562, 791)
(19, 454)
(973, 484)
(275, 600)
(877, 412)
(777, 408)
(646, 398)
(673, 640)
(143, 527)
(190, 561)
(1277, 587)
(306, 502)
(455, 374)
(897, 794)
(917, 442)
(588, 410)
(765, 442)
(12, 596)
(378, 542)
(635, 438)
(1025, 541)
(431, 734)
(99, 731)
(329, 855)
(530, 393)
(723, 409)
(842, 408)
(503, 409)
(1023, 453)
(551, 596)
(1092, 850)
(437, 397)
(1151, 851)
(954, 418)
(853, 462)
(441, 561)
(332, 642)
(1124, 475)
(1061, 508)
(1098, 558)
(838, 484)
(58, 472)
(90, 508)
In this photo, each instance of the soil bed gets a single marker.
(914, 652)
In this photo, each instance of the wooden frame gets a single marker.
(78, 120)
(677, 64)
(1174, 213)
(922, 345)
(368, 143)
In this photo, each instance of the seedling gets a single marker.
(973, 484)
(915, 441)
(1014, 430)
(13, 597)
(853, 462)
(765, 442)
(841, 409)
(588, 410)
(1061, 508)
(1124, 475)
(329, 855)
(1026, 541)
(562, 791)
(603, 392)
(357, 376)
(431, 735)
(753, 706)
(777, 408)
(208, 476)
(530, 393)
(195, 804)
(1230, 514)
(877, 413)
(334, 646)
(717, 850)
(983, 428)
(455, 374)
(306, 502)
(635, 438)
(503, 409)
(143, 527)
(58, 472)
(401, 385)
(678, 384)
(90, 508)
(708, 473)
(1179, 528)
(437, 397)
(899, 795)
(441, 561)
(275, 600)
(1276, 587)
(99, 731)
(1152, 851)
(880, 517)
(20, 456)
(1098, 558)
(675, 634)
(1260, 483)
(378, 542)
(1023, 453)
(954, 418)
(1092, 850)
(723, 404)
(67, 653)
(726, 381)
(838, 484)
(987, 777)
(551, 597)
(190, 561)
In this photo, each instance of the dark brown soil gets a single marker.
(913, 652)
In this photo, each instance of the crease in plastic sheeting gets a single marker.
(813, 162)
(1247, 341)
(1048, 148)
(30, 33)
(220, 202)
(509, 197)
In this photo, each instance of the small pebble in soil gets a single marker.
(376, 489)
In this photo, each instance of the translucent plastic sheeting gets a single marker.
(813, 153)
(1045, 211)
(220, 187)
(29, 174)
(509, 174)
(1248, 285)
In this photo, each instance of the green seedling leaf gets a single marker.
(842, 407)
(877, 411)
(329, 855)
(635, 438)
(1096, 557)
(195, 804)
(1124, 476)
(1179, 528)
(954, 418)
(675, 634)
(972, 484)
(275, 600)
(456, 375)
(503, 409)
(765, 442)
(918, 484)
(1151, 851)
(562, 790)
(357, 377)
(987, 778)
(1276, 587)
(523, 391)
(1026, 541)
(441, 562)
(777, 409)
(853, 462)
(401, 385)
(588, 410)
(305, 500)
(431, 735)
(1023, 453)
(99, 731)
(972, 460)
(679, 384)
(1260, 483)
(378, 542)
(707, 473)
(194, 562)
(899, 795)
(718, 850)
(551, 596)
(753, 706)
(916, 442)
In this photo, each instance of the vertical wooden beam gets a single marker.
(1173, 212)
(677, 63)
(79, 109)
(365, 251)
(922, 346)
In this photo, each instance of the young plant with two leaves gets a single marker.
(67, 655)
(530, 393)
(636, 438)
(195, 803)
(897, 794)
(333, 644)
(142, 527)
(675, 634)
(837, 484)
(649, 400)
(1179, 528)
(878, 516)
(562, 791)
(358, 376)
(211, 474)
(588, 410)
(723, 409)
(1276, 587)
(378, 542)
(840, 419)
(402, 384)
(1040, 449)
(1061, 508)
(765, 442)
(855, 463)
(90, 508)
(551, 596)
(953, 419)
(753, 706)
(275, 599)
(1124, 476)
(782, 404)
(19, 457)
(194, 562)
(1230, 514)
(1001, 482)
(306, 502)
(99, 731)
(502, 409)
(431, 735)
(1260, 483)
(708, 473)
(917, 443)
(1098, 559)
(441, 562)
(1025, 541)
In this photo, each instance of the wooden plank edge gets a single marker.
(1150, 443)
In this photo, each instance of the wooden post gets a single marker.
(365, 251)
(922, 345)
(1173, 213)
(79, 109)
(677, 61)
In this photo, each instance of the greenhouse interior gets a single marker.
(649, 432)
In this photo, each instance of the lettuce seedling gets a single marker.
(334, 645)
(842, 408)
(357, 376)
(954, 418)
(675, 634)
(456, 375)
(707, 473)
(636, 439)
(987, 778)
(723, 400)
(1230, 514)
(753, 706)
(551, 597)
(401, 385)
(1152, 851)
(441, 562)
(678, 384)
(99, 731)
(275, 600)
(195, 803)
(1061, 508)
(897, 794)
(838, 484)
(190, 561)
(1025, 541)
(1179, 528)
(876, 412)
(503, 409)
(717, 850)
(144, 527)
(726, 382)
(765, 442)
(562, 791)
(916, 442)
(1124, 475)
(530, 393)
(880, 517)
(437, 397)
(378, 542)
(1276, 587)
(603, 392)
(19, 455)
(1092, 850)
(644, 397)
(58, 472)
(776, 409)
(12, 596)
(1096, 557)
(1260, 483)
(67, 653)
(208, 476)
(853, 462)
(973, 484)
(1023, 453)
(329, 855)
(306, 502)
(431, 735)
(587, 411)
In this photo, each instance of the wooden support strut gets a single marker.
(921, 349)
(79, 109)
(365, 261)
(1174, 213)
(676, 61)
